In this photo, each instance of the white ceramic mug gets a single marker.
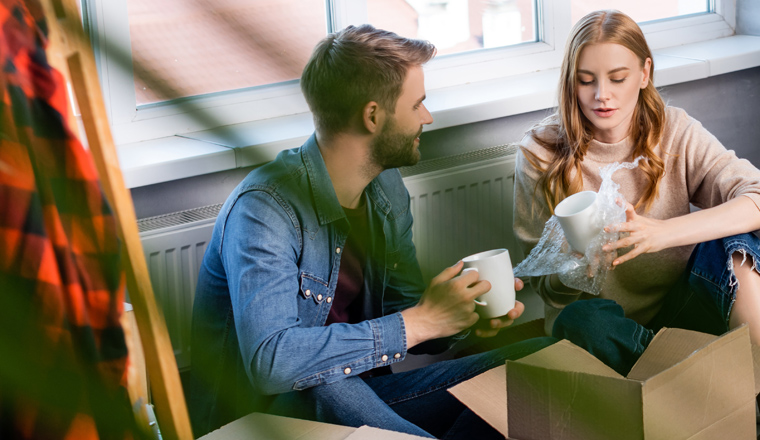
(576, 216)
(494, 266)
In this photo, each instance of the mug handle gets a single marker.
(480, 303)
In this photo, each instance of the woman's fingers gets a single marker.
(633, 253)
(630, 212)
(620, 244)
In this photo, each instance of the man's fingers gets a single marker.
(504, 321)
(469, 276)
(496, 324)
(486, 333)
(509, 318)
(519, 284)
(517, 311)
(448, 273)
(478, 288)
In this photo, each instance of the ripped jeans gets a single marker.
(701, 300)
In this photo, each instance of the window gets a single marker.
(181, 66)
(184, 48)
(457, 26)
(642, 10)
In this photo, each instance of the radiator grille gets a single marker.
(178, 219)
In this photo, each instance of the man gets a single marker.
(310, 288)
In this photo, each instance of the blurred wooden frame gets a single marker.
(70, 52)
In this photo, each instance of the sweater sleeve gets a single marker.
(531, 213)
(714, 174)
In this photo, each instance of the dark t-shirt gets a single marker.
(348, 300)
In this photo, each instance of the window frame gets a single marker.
(109, 29)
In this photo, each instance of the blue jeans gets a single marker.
(701, 300)
(414, 402)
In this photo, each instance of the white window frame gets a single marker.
(107, 21)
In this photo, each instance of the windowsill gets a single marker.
(241, 145)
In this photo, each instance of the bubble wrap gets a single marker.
(553, 254)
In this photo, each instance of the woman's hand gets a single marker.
(646, 235)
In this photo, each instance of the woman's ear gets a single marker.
(647, 73)
(372, 116)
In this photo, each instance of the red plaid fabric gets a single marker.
(62, 351)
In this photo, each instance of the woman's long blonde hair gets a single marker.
(567, 133)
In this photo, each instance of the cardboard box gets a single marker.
(259, 426)
(686, 385)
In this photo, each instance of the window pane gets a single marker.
(192, 47)
(640, 10)
(456, 26)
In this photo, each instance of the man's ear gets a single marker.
(373, 117)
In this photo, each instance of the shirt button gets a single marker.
(384, 358)
(337, 250)
(397, 356)
(319, 297)
(329, 299)
(347, 371)
(307, 293)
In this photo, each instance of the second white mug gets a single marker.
(576, 216)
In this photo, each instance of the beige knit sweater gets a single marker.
(698, 170)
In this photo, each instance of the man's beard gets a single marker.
(394, 149)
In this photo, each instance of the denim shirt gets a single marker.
(268, 279)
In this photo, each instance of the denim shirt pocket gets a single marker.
(313, 293)
(313, 288)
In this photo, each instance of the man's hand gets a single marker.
(496, 324)
(447, 306)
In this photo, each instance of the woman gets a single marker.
(609, 111)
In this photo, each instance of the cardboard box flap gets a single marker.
(546, 403)
(370, 433)
(702, 389)
(268, 427)
(669, 347)
(566, 356)
(486, 395)
(756, 358)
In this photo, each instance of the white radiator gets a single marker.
(461, 205)
(174, 245)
